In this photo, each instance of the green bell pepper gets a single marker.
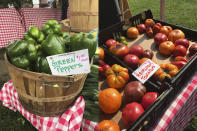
(34, 35)
(29, 38)
(17, 48)
(20, 61)
(65, 37)
(34, 32)
(41, 37)
(31, 52)
(51, 26)
(42, 65)
(81, 41)
(52, 45)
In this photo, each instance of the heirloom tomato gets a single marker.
(107, 125)
(117, 76)
(119, 50)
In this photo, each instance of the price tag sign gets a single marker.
(145, 71)
(71, 63)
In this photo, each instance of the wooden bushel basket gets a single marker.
(43, 94)
(83, 15)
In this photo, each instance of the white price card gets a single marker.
(71, 63)
(145, 71)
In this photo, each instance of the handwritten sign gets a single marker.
(145, 71)
(76, 62)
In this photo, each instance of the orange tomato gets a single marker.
(149, 22)
(165, 30)
(132, 33)
(110, 100)
(149, 32)
(142, 61)
(117, 76)
(166, 70)
(100, 53)
(107, 125)
(175, 35)
(166, 48)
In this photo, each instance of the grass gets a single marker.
(13, 121)
(178, 12)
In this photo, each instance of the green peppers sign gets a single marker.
(76, 62)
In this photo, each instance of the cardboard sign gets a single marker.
(145, 71)
(71, 63)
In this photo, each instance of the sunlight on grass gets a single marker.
(179, 12)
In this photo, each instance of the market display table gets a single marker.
(176, 117)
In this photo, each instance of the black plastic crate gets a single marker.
(157, 108)
(108, 33)
(186, 72)
(174, 85)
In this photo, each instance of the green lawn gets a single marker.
(13, 121)
(179, 12)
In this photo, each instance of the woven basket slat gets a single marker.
(83, 15)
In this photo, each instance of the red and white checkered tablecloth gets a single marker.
(71, 120)
(13, 23)
(11, 27)
(39, 16)
(180, 111)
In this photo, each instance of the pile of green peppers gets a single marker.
(31, 52)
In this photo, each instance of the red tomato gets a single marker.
(180, 58)
(106, 66)
(131, 112)
(101, 70)
(103, 67)
(148, 99)
(110, 42)
(179, 64)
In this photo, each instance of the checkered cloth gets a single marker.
(14, 23)
(89, 125)
(69, 121)
(181, 111)
(11, 27)
(39, 16)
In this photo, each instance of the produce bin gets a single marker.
(147, 119)
(169, 87)
(183, 74)
(186, 72)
